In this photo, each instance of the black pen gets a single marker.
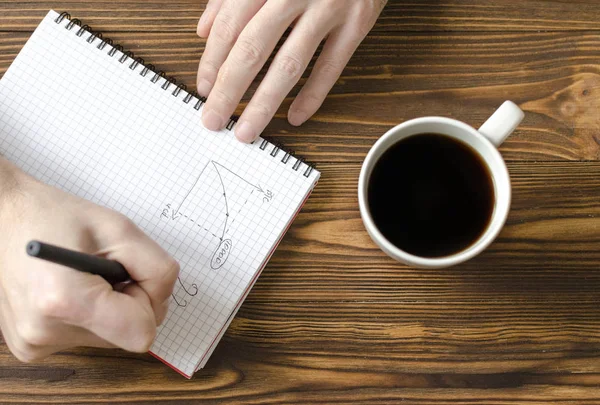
(111, 270)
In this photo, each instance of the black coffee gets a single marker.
(431, 195)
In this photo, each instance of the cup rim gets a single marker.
(496, 222)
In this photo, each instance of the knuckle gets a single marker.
(53, 304)
(263, 110)
(226, 32)
(144, 340)
(249, 52)
(169, 273)
(30, 334)
(173, 268)
(54, 301)
(329, 67)
(312, 99)
(208, 67)
(124, 226)
(163, 312)
(222, 98)
(166, 276)
(223, 77)
(290, 66)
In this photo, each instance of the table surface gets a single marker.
(332, 319)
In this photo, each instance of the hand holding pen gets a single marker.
(49, 307)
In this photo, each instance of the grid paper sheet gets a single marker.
(78, 119)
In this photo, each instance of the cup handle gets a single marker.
(502, 123)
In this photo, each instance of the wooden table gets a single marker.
(332, 319)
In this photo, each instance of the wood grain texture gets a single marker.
(334, 320)
(554, 77)
(416, 15)
(554, 225)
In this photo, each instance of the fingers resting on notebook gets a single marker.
(44, 307)
(242, 34)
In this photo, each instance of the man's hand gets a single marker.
(243, 33)
(44, 307)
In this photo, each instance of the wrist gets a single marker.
(8, 175)
(11, 181)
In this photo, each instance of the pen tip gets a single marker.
(33, 248)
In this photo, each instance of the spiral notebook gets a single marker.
(80, 113)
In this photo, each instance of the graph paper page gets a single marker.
(86, 122)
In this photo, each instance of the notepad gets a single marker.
(79, 113)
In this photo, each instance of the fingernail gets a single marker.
(212, 120)
(244, 132)
(203, 86)
(297, 117)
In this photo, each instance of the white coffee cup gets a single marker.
(484, 141)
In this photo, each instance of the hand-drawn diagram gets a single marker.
(214, 206)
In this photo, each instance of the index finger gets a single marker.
(152, 268)
(248, 55)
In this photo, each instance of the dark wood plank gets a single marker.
(553, 76)
(334, 320)
(246, 375)
(427, 15)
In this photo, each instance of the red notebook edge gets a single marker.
(253, 281)
(189, 377)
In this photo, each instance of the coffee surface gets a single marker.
(431, 195)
